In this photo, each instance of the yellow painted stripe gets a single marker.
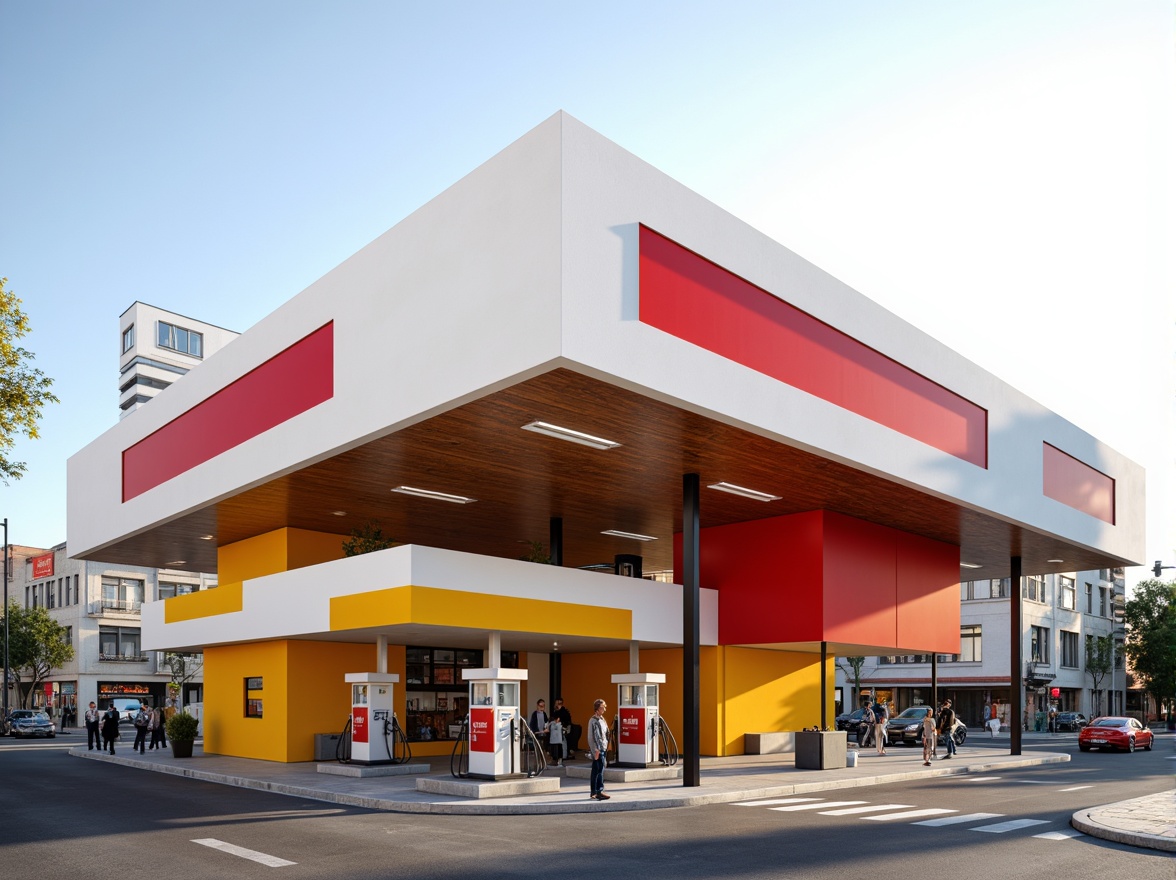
(206, 603)
(436, 607)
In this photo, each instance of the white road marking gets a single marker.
(1012, 825)
(850, 811)
(979, 778)
(1034, 782)
(814, 806)
(1068, 834)
(271, 861)
(955, 820)
(912, 814)
(1076, 788)
(776, 801)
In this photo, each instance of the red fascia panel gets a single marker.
(928, 595)
(860, 589)
(1076, 484)
(693, 299)
(289, 383)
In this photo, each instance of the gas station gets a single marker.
(569, 348)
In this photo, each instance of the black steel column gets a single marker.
(6, 610)
(1016, 657)
(935, 682)
(555, 540)
(823, 725)
(554, 678)
(691, 715)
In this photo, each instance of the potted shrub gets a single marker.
(181, 730)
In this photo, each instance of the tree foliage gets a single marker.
(1150, 616)
(23, 389)
(852, 666)
(184, 668)
(536, 553)
(36, 645)
(1099, 662)
(368, 538)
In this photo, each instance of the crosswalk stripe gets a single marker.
(774, 801)
(796, 807)
(241, 852)
(1068, 834)
(979, 778)
(1076, 788)
(850, 811)
(912, 814)
(955, 820)
(1012, 825)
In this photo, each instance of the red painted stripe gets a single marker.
(1076, 484)
(692, 298)
(289, 383)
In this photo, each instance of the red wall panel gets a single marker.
(1076, 484)
(928, 595)
(860, 590)
(289, 383)
(694, 299)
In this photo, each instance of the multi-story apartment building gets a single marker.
(100, 606)
(1061, 613)
(157, 347)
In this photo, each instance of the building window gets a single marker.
(67, 636)
(128, 339)
(119, 643)
(1039, 644)
(169, 590)
(122, 594)
(50, 597)
(1066, 594)
(1070, 649)
(1090, 599)
(1102, 601)
(253, 690)
(969, 643)
(1034, 589)
(77, 593)
(181, 340)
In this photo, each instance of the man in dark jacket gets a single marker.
(110, 728)
(560, 713)
(946, 726)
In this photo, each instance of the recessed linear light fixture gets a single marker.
(177, 562)
(207, 537)
(969, 565)
(550, 430)
(338, 513)
(745, 493)
(631, 535)
(436, 496)
(1055, 560)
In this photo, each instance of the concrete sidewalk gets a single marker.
(1145, 822)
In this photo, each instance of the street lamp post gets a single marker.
(6, 615)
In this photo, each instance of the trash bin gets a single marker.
(820, 749)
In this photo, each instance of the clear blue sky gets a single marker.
(999, 174)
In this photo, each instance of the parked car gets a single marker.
(907, 728)
(1070, 721)
(29, 722)
(1115, 732)
(849, 720)
(127, 710)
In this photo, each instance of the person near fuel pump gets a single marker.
(110, 728)
(572, 731)
(93, 731)
(597, 747)
(946, 726)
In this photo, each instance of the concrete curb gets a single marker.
(1095, 822)
(581, 804)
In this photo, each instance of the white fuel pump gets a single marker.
(495, 719)
(371, 716)
(637, 717)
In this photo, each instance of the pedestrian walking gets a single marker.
(142, 726)
(881, 717)
(110, 728)
(93, 732)
(158, 740)
(928, 736)
(946, 726)
(597, 746)
(865, 733)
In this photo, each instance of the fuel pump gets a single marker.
(495, 721)
(373, 724)
(637, 717)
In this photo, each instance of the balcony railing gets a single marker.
(123, 658)
(116, 606)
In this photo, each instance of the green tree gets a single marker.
(1150, 616)
(367, 539)
(1099, 660)
(536, 553)
(23, 389)
(852, 667)
(36, 646)
(184, 668)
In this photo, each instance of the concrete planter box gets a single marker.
(820, 749)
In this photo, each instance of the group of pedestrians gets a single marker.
(876, 717)
(559, 730)
(102, 728)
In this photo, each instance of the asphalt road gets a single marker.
(61, 817)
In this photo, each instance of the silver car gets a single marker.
(29, 722)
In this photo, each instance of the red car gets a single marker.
(1115, 733)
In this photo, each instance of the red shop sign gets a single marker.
(43, 566)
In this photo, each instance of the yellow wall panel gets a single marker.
(318, 698)
(768, 691)
(304, 547)
(226, 729)
(205, 603)
(252, 558)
